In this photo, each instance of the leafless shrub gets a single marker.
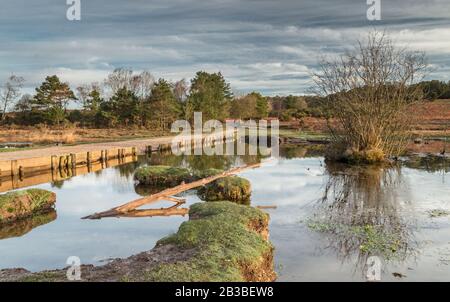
(369, 92)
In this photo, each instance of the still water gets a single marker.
(328, 220)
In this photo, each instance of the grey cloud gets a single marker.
(258, 44)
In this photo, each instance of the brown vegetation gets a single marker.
(45, 135)
(369, 91)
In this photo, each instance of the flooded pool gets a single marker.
(328, 221)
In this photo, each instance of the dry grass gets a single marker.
(38, 136)
(44, 136)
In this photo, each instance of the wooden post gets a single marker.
(133, 151)
(69, 161)
(14, 168)
(106, 158)
(88, 158)
(63, 161)
(73, 159)
(54, 162)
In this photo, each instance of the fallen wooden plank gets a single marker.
(166, 194)
(155, 213)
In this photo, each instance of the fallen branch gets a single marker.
(166, 194)
(155, 212)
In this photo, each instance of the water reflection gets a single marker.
(387, 200)
(429, 163)
(24, 226)
(361, 214)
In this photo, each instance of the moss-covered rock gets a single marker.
(162, 175)
(26, 203)
(207, 173)
(230, 243)
(232, 188)
(166, 176)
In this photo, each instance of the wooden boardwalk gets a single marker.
(28, 163)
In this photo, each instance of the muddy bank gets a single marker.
(222, 241)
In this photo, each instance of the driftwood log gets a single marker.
(129, 209)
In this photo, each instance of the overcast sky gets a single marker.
(266, 45)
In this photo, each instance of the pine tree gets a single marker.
(52, 98)
(211, 95)
(125, 106)
(163, 106)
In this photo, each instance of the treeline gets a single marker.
(291, 107)
(433, 90)
(127, 99)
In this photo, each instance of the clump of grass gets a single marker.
(166, 176)
(20, 204)
(228, 246)
(435, 213)
(231, 188)
(46, 276)
(370, 239)
(339, 152)
(207, 173)
(162, 175)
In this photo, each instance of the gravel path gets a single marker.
(59, 150)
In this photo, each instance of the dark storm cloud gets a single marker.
(264, 45)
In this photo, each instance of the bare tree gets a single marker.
(84, 92)
(10, 92)
(180, 90)
(144, 84)
(369, 91)
(118, 79)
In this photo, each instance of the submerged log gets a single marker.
(156, 212)
(166, 194)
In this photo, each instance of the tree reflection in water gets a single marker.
(362, 213)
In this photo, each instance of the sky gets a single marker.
(271, 46)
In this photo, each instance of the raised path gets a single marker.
(60, 150)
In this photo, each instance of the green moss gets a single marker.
(43, 277)
(166, 176)
(231, 188)
(207, 173)
(228, 245)
(20, 204)
(162, 175)
(373, 240)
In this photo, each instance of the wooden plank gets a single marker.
(165, 194)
